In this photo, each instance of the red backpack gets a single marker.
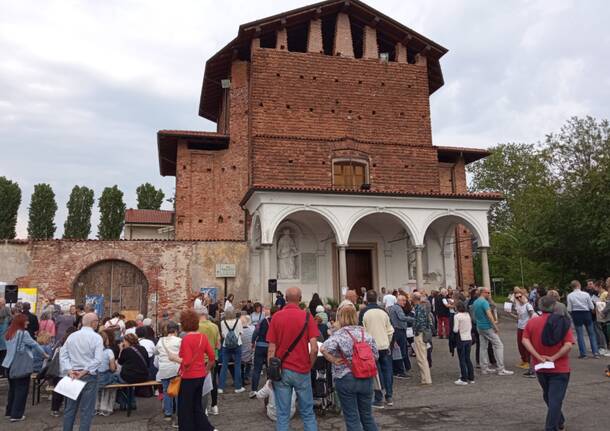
(363, 364)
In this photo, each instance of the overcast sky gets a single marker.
(84, 86)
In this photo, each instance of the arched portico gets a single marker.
(337, 219)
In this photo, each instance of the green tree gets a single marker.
(554, 220)
(78, 223)
(112, 214)
(10, 199)
(42, 211)
(149, 198)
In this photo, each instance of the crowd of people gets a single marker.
(312, 352)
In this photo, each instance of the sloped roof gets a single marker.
(167, 141)
(218, 66)
(135, 216)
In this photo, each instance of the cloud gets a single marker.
(84, 86)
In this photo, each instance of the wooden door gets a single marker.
(359, 269)
(123, 286)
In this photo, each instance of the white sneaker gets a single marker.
(214, 410)
(460, 382)
(221, 391)
(252, 394)
(240, 390)
(505, 373)
(489, 371)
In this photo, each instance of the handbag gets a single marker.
(54, 369)
(23, 363)
(173, 389)
(274, 367)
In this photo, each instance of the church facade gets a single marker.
(323, 162)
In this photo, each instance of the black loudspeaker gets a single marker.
(272, 284)
(10, 293)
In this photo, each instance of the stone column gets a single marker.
(314, 38)
(342, 268)
(265, 271)
(485, 267)
(343, 45)
(370, 48)
(419, 267)
(401, 53)
(281, 42)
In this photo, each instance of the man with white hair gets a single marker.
(422, 329)
(80, 358)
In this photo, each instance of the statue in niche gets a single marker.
(411, 259)
(287, 254)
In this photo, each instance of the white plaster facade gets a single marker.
(400, 232)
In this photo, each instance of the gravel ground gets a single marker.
(493, 403)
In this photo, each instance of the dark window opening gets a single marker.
(357, 37)
(329, 22)
(268, 40)
(297, 38)
(410, 56)
(386, 45)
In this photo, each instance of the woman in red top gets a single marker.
(193, 350)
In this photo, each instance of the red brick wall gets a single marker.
(311, 84)
(295, 132)
(173, 269)
(210, 184)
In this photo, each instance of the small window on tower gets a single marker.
(350, 173)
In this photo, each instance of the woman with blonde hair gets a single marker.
(524, 311)
(355, 394)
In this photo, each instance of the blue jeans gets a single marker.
(554, 386)
(583, 319)
(85, 403)
(301, 383)
(384, 365)
(356, 396)
(236, 355)
(260, 359)
(466, 368)
(400, 337)
(168, 402)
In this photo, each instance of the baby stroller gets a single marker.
(322, 385)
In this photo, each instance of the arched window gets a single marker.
(350, 173)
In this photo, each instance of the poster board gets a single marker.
(97, 302)
(65, 304)
(226, 270)
(28, 294)
(212, 292)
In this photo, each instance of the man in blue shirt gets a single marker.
(488, 333)
(81, 358)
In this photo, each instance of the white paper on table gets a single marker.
(69, 387)
(548, 365)
(508, 307)
(409, 332)
(207, 384)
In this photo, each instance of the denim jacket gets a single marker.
(11, 347)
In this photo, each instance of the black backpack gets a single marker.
(555, 329)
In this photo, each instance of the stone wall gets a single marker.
(173, 269)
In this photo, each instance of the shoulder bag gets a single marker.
(173, 389)
(274, 368)
(23, 364)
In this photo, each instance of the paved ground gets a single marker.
(493, 403)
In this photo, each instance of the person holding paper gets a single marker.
(549, 340)
(81, 357)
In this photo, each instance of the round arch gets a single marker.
(464, 218)
(121, 284)
(327, 216)
(404, 220)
